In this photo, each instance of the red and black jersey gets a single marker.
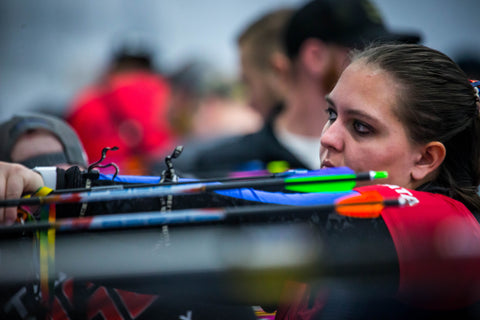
(437, 246)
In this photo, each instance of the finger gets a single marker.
(14, 190)
(31, 180)
(16, 180)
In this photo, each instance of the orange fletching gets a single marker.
(366, 205)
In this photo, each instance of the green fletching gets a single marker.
(334, 186)
(323, 187)
(332, 183)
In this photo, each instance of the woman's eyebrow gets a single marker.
(359, 113)
(330, 101)
(353, 112)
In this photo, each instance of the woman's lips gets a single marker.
(327, 164)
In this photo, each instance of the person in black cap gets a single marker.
(34, 140)
(317, 40)
(348, 23)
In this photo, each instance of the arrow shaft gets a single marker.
(188, 217)
(187, 182)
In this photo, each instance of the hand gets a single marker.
(16, 180)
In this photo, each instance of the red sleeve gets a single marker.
(438, 246)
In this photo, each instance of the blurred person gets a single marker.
(206, 110)
(260, 50)
(317, 40)
(127, 108)
(205, 106)
(188, 84)
(262, 55)
(35, 139)
(223, 113)
(48, 145)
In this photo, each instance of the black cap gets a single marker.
(351, 23)
(12, 129)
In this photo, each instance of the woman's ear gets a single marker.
(429, 159)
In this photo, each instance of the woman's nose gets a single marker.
(331, 136)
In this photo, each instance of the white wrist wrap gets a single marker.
(49, 175)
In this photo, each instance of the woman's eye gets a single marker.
(362, 128)
(332, 115)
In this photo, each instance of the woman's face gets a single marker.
(363, 133)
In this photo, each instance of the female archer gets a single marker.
(410, 110)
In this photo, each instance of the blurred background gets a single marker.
(51, 49)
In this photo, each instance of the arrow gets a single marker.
(366, 205)
(152, 181)
(193, 188)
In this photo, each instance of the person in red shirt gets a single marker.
(128, 109)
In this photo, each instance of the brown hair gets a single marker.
(436, 103)
(264, 36)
